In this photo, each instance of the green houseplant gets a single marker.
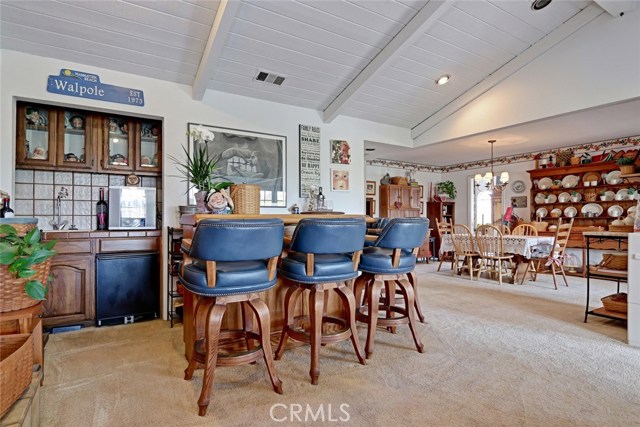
(446, 187)
(24, 262)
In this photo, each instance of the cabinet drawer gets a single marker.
(81, 246)
(128, 244)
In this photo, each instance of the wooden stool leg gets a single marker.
(390, 300)
(348, 301)
(316, 303)
(372, 301)
(358, 289)
(212, 337)
(413, 279)
(407, 290)
(199, 320)
(289, 316)
(264, 324)
(247, 324)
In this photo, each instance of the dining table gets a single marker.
(522, 247)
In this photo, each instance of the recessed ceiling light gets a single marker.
(539, 4)
(443, 79)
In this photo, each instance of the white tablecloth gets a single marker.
(519, 245)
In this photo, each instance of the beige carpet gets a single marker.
(495, 356)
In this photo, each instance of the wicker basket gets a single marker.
(12, 294)
(246, 198)
(563, 157)
(627, 169)
(615, 302)
(21, 227)
(540, 225)
(590, 195)
(399, 180)
(621, 228)
(16, 366)
(614, 261)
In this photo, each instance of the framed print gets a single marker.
(370, 188)
(309, 158)
(339, 180)
(519, 202)
(340, 152)
(246, 157)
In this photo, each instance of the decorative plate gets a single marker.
(609, 196)
(591, 176)
(551, 198)
(541, 212)
(593, 208)
(570, 212)
(518, 186)
(540, 198)
(564, 197)
(613, 177)
(577, 197)
(556, 213)
(133, 179)
(632, 211)
(570, 181)
(545, 183)
(615, 211)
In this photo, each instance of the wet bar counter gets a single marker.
(274, 297)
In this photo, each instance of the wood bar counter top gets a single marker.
(274, 297)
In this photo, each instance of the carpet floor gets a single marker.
(495, 355)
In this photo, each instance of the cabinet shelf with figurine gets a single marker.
(51, 137)
(594, 195)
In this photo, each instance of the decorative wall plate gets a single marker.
(609, 196)
(133, 179)
(518, 186)
(570, 212)
(541, 212)
(545, 183)
(592, 208)
(591, 176)
(564, 197)
(556, 213)
(615, 211)
(540, 198)
(613, 177)
(570, 181)
(551, 198)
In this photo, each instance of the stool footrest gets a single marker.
(232, 348)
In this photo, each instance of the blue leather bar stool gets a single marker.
(390, 261)
(324, 255)
(231, 261)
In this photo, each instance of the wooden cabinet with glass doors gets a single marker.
(399, 201)
(132, 145)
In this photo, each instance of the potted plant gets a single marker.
(602, 196)
(447, 188)
(626, 164)
(24, 268)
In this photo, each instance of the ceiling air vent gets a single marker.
(269, 77)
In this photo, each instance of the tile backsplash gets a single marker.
(36, 192)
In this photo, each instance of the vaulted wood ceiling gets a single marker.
(370, 59)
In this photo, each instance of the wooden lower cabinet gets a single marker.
(71, 297)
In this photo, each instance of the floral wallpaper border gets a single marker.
(590, 148)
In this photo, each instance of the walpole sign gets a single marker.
(85, 85)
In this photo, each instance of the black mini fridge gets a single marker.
(127, 287)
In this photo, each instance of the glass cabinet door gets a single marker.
(35, 141)
(119, 148)
(74, 142)
(148, 152)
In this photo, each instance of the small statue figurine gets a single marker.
(219, 202)
(312, 198)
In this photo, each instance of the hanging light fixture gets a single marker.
(489, 180)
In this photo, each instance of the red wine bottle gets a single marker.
(102, 210)
(6, 211)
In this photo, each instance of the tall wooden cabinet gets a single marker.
(443, 212)
(399, 201)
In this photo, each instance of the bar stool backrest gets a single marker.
(329, 236)
(403, 233)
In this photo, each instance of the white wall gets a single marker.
(25, 77)
(599, 64)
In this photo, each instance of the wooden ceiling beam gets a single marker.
(215, 44)
(414, 29)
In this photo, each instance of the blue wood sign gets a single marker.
(85, 85)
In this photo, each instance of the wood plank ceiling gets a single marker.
(382, 56)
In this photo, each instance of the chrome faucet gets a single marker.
(59, 225)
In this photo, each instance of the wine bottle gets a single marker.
(320, 200)
(6, 211)
(102, 210)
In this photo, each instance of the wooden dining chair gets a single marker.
(444, 228)
(524, 230)
(491, 248)
(554, 259)
(465, 252)
(505, 229)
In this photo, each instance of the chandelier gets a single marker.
(489, 180)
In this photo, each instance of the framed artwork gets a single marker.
(339, 180)
(246, 157)
(422, 208)
(421, 191)
(519, 202)
(370, 188)
(309, 158)
(340, 152)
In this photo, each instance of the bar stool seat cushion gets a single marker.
(240, 277)
(326, 268)
(378, 260)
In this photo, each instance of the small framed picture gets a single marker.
(370, 188)
(339, 180)
(340, 152)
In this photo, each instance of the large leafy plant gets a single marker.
(197, 170)
(448, 188)
(20, 254)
